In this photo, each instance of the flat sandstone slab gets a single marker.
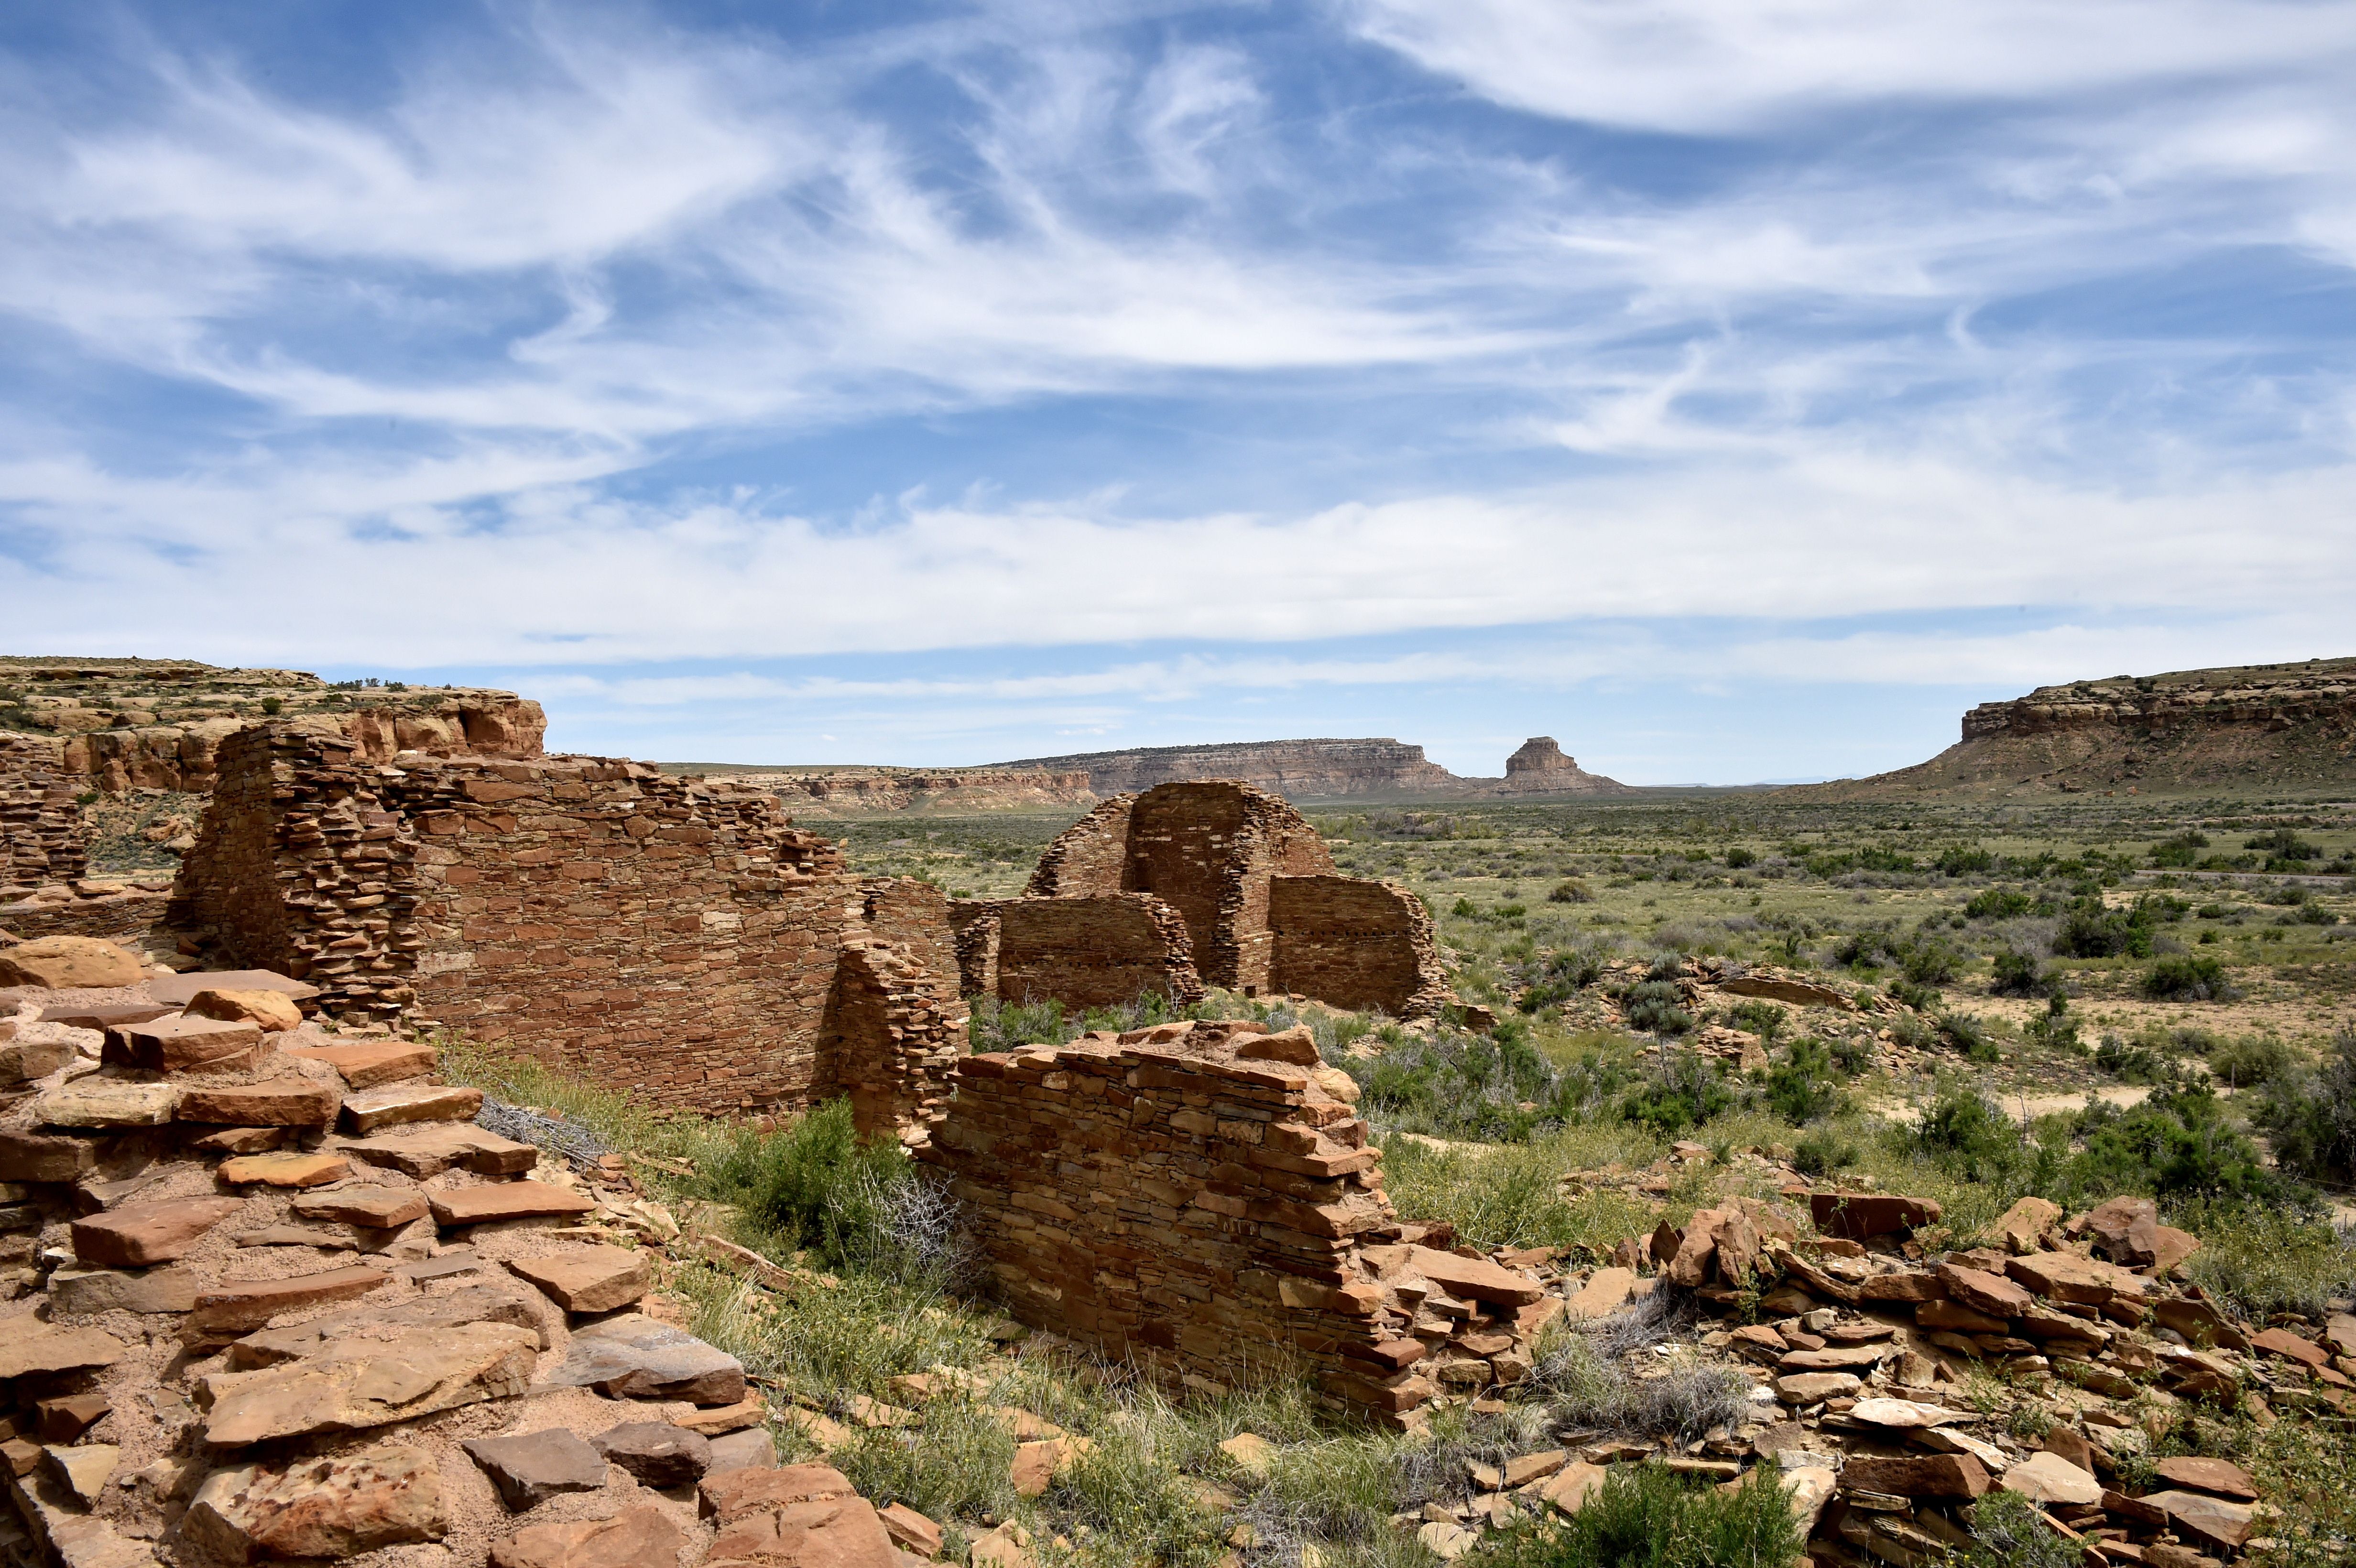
(280, 1103)
(372, 1062)
(378, 1208)
(375, 1108)
(98, 1102)
(138, 1235)
(31, 1348)
(370, 1383)
(504, 1200)
(183, 1045)
(250, 1303)
(589, 1279)
(636, 1357)
(283, 1169)
(459, 1147)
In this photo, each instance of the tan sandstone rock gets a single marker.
(589, 1279)
(138, 1235)
(640, 1537)
(335, 1506)
(273, 1012)
(370, 1384)
(69, 963)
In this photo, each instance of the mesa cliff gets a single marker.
(121, 724)
(1312, 770)
(2245, 726)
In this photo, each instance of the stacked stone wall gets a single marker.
(1358, 945)
(1201, 1217)
(1264, 908)
(1207, 850)
(1087, 951)
(43, 838)
(1091, 856)
(682, 941)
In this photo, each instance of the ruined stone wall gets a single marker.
(1358, 945)
(1202, 1217)
(1088, 952)
(657, 934)
(1208, 850)
(1091, 856)
(42, 837)
(895, 1018)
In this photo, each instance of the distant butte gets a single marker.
(2189, 731)
(1374, 768)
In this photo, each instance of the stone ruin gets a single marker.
(42, 839)
(273, 1294)
(659, 934)
(1244, 877)
(1198, 1199)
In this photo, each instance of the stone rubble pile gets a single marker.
(268, 1293)
(1859, 1343)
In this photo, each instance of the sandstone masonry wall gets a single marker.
(1209, 850)
(1087, 952)
(1263, 906)
(683, 941)
(42, 838)
(1204, 1216)
(1358, 945)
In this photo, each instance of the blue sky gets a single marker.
(1734, 389)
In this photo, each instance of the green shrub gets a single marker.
(1646, 1517)
(1932, 962)
(816, 1183)
(1686, 1092)
(2179, 852)
(1655, 1007)
(2251, 1060)
(2010, 1532)
(1737, 858)
(1003, 1026)
(2310, 1114)
(1462, 908)
(1968, 1035)
(1822, 1153)
(2263, 1259)
(1562, 974)
(1496, 1087)
(2282, 844)
(1764, 1018)
(2091, 930)
(2001, 903)
(1805, 1085)
(1964, 861)
(2018, 974)
(2177, 1143)
(2186, 978)
(1570, 891)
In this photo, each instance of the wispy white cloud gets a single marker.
(1724, 66)
(536, 345)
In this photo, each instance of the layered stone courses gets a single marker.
(1091, 950)
(1264, 906)
(680, 939)
(1203, 1215)
(42, 835)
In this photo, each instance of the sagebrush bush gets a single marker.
(2184, 977)
(2308, 1114)
(857, 1202)
(1646, 1516)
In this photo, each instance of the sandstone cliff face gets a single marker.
(2256, 726)
(123, 724)
(1331, 770)
(843, 792)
